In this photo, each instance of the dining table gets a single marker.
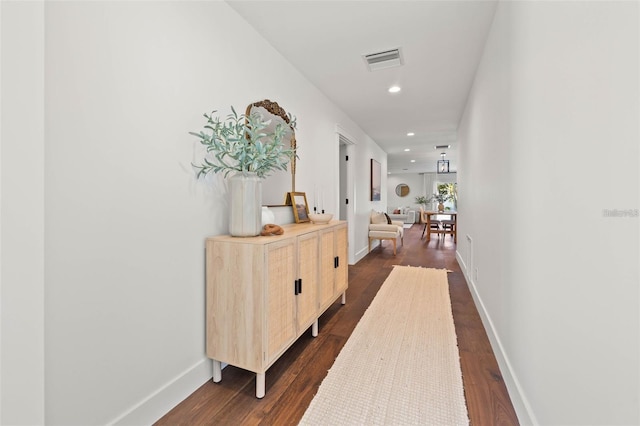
(434, 215)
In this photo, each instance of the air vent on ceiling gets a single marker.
(382, 60)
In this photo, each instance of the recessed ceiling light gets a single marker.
(413, 161)
(394, 89)
(410, 134)
(407, 150)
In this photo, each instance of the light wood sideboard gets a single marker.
(264, 292)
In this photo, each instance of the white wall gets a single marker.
(556, 99)
(124, 218)
(415, 182)
(418, 186)
(363, 205)
(22, 213)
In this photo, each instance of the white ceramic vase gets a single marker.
(245, 213)
(267, 216)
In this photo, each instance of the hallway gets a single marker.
(294, 379)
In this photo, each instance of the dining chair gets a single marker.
(433, 224)
(449, 225)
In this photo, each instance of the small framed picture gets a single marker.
(298, 201)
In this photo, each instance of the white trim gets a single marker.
(364, 251)
(349, 139)
(350, 144)
(160, 402)
(520, 403)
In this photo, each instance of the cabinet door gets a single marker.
(307, 299)
(342, 253)
(280, 265)
(235, 304)
(327, 268)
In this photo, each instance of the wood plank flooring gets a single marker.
(294, 379)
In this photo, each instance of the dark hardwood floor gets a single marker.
(294, 379)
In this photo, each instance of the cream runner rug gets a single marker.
(401, 364)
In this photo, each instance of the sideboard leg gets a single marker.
(344, 298)
(260, 385)
(314, 328)
(217, 371)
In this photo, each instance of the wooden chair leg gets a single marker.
(394, 246)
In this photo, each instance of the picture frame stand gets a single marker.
(298, 201)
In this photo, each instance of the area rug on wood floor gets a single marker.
(401, 364)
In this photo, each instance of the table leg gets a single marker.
(260, 385)
(217, 371)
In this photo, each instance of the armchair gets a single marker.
(383, 228)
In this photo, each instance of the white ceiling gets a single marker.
(441, 44)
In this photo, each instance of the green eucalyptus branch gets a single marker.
(421, 199)
(243, 144)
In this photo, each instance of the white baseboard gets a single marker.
(520, 403)
(463, 265)
(364, 251)
(161, 401)
(175, 391)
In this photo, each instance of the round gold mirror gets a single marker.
(402, 190)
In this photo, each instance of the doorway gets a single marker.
(347, 188)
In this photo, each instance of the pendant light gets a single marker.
(443, 165)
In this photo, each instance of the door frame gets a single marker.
(343, 138)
